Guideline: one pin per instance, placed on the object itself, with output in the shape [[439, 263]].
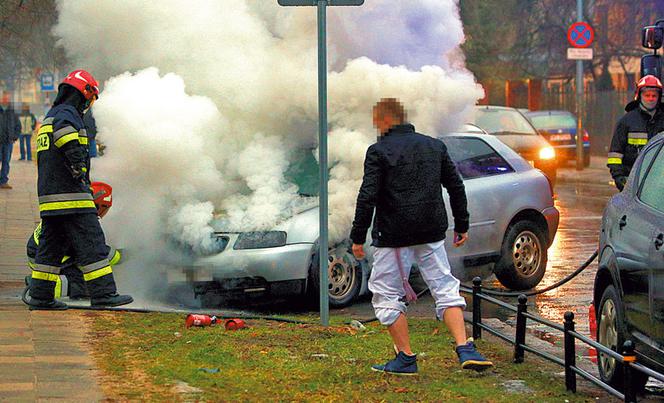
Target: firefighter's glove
[[80, 173], [620, 182]]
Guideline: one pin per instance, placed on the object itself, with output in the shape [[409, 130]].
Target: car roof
[[548, 112], [496, 107]]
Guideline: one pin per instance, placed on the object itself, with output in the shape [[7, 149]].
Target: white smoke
[[204, 104]]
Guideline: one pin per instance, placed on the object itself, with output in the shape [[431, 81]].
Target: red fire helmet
[[648, 81], [102, 196], [84, 82]]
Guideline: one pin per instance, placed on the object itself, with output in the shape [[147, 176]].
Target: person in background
[[10, 129], [643, 120], [403, 174], [91, 127], [28, 124]]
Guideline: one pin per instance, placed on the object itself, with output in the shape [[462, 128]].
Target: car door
[[632, 240], [651, 194], [487, 178]]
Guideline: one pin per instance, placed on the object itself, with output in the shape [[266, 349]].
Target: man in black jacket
[[403, 173]]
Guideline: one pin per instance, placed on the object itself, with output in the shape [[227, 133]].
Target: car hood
[[523, 142]]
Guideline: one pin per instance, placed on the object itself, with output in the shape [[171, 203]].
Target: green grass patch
[[153, 357]]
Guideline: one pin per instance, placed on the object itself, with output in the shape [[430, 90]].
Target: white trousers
[[387, 287]]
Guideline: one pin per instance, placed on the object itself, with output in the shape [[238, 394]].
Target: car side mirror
[[652, 37]]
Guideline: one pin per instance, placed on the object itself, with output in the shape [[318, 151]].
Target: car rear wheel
[[523, 256], [611, 333], [344, 277]]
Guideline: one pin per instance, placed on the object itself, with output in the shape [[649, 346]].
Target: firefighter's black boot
[[114, 299], [46, 305]]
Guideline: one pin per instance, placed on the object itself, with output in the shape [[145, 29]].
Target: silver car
[[512, 224]]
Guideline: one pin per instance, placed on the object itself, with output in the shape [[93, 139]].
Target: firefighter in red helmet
[[643, 120], [66, 205]]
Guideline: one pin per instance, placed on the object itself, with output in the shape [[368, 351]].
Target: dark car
[[513, 129], [629, 286], [559, 129]]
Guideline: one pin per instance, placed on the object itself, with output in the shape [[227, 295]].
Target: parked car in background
[[559, 129], [513, 223], [513, 129], [629, 285]]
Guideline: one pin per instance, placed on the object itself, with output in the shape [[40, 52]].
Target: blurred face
[[383, 123], [649, 95]]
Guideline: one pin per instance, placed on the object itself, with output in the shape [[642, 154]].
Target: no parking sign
[[580, 35]]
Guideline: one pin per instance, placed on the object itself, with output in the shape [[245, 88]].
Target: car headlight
[[547, 153], [260, 239]]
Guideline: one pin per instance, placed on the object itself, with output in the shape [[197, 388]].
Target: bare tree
[[27, 45]]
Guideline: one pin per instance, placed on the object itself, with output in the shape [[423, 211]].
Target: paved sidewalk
[[43, 355]]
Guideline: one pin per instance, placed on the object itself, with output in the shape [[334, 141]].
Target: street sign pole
[[579, 98], [322, 160], [323, 261]]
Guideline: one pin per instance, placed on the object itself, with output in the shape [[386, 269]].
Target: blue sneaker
[[403, 364], [470, 358]]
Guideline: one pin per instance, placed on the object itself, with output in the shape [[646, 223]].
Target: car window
[[303, 172], [553, 121], [475, 158], [502, 121], [647, 159], [652, 190]]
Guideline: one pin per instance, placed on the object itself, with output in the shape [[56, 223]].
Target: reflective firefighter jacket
[[632, 133], [63, 164]]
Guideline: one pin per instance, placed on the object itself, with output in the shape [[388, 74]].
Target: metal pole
[[520, 336], [570, 352], [579, 98], [477, 308], [322, 159]]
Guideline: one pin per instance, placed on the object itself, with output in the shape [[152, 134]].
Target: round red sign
[[580, 35]]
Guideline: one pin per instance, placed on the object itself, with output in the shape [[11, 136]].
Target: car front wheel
[[344, 275], [523, 256], [611, 334]]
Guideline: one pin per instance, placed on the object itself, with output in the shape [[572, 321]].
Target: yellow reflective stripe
[[31, 265], [45, 129], [82, 140], [614, 161], [66, 205], [637, 142], [40, 275], [115, 259], [97, 273], [37, 233], [58, 288], [66, 139], [64, 259]]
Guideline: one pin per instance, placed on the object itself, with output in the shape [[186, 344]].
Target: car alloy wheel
[[526, 251], [341, 273], [607, 333]]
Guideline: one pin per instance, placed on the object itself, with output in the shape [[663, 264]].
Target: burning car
[[512, 224]]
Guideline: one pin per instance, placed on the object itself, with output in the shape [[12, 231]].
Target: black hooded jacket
[[632, 133], [403, 173]]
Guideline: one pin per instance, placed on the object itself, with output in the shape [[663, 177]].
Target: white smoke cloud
[[205, 103]]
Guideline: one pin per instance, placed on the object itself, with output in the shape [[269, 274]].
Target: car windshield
[[303, 172], [502, 121], [556, 121]]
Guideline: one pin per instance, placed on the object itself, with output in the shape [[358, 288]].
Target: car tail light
[[586, 136]]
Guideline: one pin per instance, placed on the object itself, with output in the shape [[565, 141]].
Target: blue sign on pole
[[47, 82]]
